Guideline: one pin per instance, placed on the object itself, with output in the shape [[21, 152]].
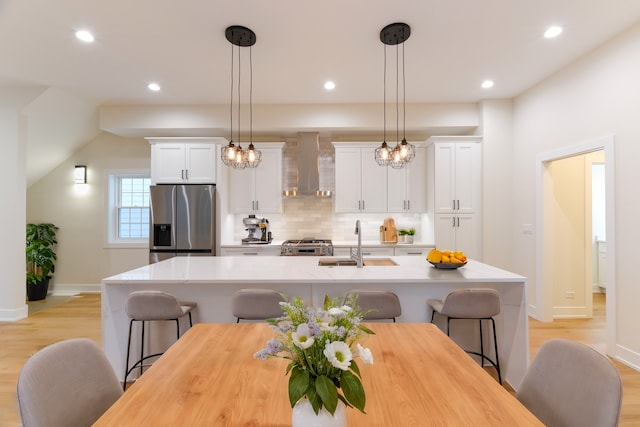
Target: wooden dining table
[[419, 377]]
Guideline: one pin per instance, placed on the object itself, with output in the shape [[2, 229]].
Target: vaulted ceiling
[[454, 46]]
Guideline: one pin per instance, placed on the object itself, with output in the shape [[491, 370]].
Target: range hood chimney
[[310, 169]]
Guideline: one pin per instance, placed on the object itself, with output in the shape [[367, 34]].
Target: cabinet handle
[[458, 204], [363, 208], [181, 173], [408, 205], [454, 204], [257, 208], [359, 205], [458, 222], [186, 174]]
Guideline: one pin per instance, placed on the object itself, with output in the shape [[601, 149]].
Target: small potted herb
[[41, 259], [406, 236]]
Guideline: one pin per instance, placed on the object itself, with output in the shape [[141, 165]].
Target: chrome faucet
[[358, 255]]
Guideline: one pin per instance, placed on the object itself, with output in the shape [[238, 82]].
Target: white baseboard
[[627, 357], [15, 314], [74, 289]]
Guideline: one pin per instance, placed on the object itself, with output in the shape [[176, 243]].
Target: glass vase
[[304, 416]]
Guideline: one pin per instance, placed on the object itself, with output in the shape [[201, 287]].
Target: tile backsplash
[[308, 216]]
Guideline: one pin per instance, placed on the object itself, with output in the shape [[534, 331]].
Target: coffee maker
[[257, 230]]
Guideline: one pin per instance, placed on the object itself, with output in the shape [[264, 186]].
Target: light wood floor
[[80, 317]]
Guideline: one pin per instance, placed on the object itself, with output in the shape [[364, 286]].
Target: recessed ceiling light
[[487, 84], [85, 36], [329, 85], [154, 87], [553, 31]]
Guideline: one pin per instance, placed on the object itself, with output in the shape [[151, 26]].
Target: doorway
[[553, 227]]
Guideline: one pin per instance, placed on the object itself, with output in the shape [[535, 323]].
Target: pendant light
[[397, 157], [232, 155]]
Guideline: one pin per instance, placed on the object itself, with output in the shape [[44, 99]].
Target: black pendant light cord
[[404, 96], [384, 96], [397, 95], [231, 103], [250, 95], [239, 91]]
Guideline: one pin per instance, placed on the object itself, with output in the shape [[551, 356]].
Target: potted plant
[[41, 259], [406, 236]]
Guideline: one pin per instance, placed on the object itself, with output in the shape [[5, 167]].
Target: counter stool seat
[[256, 304], [475, 304], [145, 306], [377, 304]]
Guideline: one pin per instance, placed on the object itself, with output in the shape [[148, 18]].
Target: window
[[128, 223]]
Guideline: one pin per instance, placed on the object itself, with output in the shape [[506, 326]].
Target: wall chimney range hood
[[308, 171]]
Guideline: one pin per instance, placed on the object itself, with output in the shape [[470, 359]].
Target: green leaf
[[314, 399], [366, 330], [328, 392], [354, 368], [327, 302], [353, 390], [298, 384]]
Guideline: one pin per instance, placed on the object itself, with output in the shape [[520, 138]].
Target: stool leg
[[178, 327], [448, 320], [142, 348], [481, 344], [126, 363], [190, 320], [495, 343], [433, 313]]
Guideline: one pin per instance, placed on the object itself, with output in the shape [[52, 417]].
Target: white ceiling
[[454, 46]]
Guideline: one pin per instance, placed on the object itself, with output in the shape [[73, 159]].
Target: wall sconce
[[80, 174]]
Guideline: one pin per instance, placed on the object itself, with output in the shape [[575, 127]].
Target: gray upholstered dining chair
[[476, 304], [376, 304], [68, 383], [256, 304], [150, 305], [571, 384]]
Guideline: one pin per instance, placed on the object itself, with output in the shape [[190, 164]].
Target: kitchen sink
[[368, 262]]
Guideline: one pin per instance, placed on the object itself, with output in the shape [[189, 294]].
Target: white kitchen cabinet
[[258, 190], [406, 187], [410, 250], [361, 185], [458, 232], [184, 160], [454, 176], [457, 177], [264, 250], [366, 251]]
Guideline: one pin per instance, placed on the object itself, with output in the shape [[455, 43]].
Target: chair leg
[[190, 320], [495, 343], [238, 320], [433, 313], [178, 328], [448, 320], [394, 319]]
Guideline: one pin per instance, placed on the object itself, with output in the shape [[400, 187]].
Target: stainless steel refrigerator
[[182, 221]]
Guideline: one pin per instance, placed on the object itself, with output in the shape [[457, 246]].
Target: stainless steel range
[[306, 246]]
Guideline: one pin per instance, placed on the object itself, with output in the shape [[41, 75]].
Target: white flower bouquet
[[322, 346]]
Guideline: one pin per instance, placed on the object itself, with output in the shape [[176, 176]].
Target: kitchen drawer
[[411, 251], [251, 251]]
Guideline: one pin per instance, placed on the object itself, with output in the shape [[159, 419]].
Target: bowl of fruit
[[446, 260]]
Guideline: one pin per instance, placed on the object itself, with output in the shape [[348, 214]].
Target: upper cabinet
[[258, 190], [184, 160], [407, 186], [361, 185], [457, 175]]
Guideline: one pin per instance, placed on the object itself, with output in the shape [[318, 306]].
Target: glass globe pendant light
[[232, 155], [394, 35]]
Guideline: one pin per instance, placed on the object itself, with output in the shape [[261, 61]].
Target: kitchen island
[[211, 281]]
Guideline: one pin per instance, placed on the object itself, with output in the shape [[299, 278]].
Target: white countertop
[[304, 269], [336, 243]]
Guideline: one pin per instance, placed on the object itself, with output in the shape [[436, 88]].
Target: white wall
[[13, 139], [79, 212], [594, 97]]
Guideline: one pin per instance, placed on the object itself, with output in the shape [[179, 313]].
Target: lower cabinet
[[457, 232], [266, 250]]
